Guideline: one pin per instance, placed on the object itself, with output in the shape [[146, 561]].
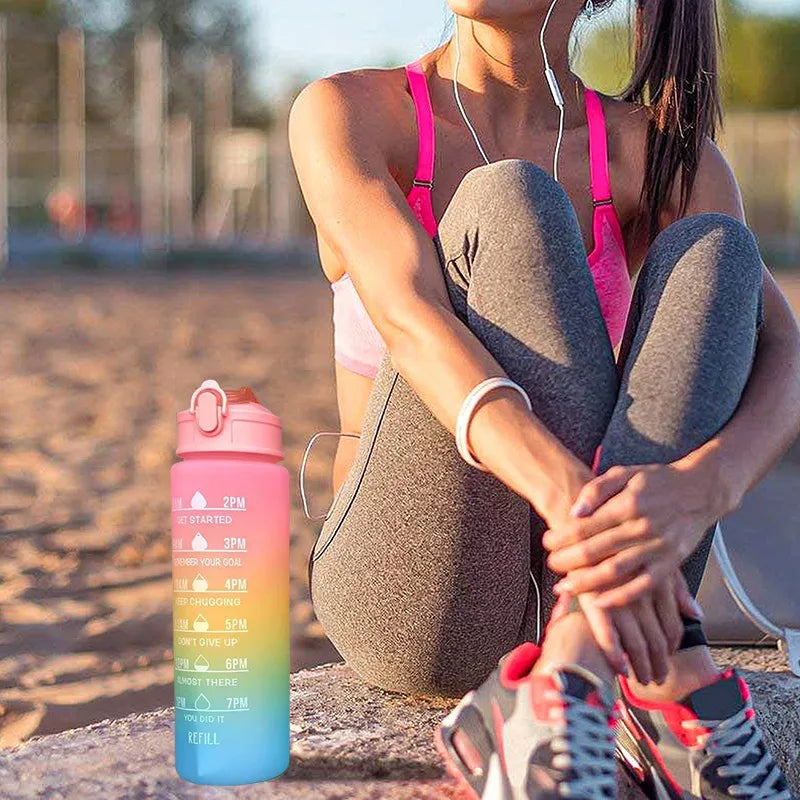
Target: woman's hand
[[630, 528], [646, 633]]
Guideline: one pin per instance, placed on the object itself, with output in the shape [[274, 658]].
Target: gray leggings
[[421, 573]]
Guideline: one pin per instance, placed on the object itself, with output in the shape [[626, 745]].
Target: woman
[[456, 259]]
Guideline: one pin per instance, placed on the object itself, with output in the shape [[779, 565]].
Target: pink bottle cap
[[219, 421]]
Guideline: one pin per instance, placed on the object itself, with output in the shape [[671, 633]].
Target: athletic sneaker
[[521, 736], [708, 745]]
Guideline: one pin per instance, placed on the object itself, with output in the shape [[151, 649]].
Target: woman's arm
[[673, 504], [343, 135]]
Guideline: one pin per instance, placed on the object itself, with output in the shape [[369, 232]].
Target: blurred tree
[[33, 65], [191, 28], [28, 6], [759, 57]]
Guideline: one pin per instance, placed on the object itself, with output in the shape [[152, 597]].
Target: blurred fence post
[[3, 147], [793, 183], [283, 188], [180, 179], [150, 98], [763, 149], [218, 214], [219, 93], [72, 128]]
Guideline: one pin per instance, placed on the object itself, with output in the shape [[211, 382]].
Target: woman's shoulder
[[354, 128], [360, 114], [715, 185], [368, 102]]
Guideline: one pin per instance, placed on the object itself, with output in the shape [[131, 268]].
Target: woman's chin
[[497, 10]]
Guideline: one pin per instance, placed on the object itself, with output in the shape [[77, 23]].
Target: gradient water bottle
[[230, 569]]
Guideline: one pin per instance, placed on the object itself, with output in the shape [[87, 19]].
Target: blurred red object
[[66, 213]]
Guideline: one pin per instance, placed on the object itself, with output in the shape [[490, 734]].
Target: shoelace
[[758, 781], [586, 748]]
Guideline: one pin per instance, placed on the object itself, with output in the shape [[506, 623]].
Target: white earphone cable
[[458, 99], [552, 82]]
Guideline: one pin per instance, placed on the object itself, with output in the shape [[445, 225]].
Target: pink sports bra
[[357, 344]]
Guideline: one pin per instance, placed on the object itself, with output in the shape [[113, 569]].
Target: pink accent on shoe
[[674, 714], [517, 665]]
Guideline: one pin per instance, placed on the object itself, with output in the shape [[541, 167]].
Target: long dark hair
[[675, 75]]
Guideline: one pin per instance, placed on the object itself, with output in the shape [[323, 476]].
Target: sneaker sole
[[493, 784]]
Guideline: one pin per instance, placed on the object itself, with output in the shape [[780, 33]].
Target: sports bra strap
[[598, 148], [425, 128]]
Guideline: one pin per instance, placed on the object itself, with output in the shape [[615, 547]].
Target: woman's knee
[[711, 241], [511, 192], [711, 250], [499, 176], [510, 224]]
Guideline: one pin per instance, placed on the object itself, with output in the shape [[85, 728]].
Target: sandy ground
[[93, 372]]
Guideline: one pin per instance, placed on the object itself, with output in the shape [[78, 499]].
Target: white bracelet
[[468, 410]]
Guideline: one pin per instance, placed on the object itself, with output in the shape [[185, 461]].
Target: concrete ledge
[[349, 742]]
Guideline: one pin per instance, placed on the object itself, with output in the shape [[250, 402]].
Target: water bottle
[[230, 568]]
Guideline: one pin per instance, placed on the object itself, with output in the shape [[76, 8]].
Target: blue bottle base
[[222, 778]]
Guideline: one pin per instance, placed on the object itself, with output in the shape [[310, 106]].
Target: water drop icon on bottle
[[199, 584], [200, 623], [202, 703], [201, 664], [199, 542], [198, 500]]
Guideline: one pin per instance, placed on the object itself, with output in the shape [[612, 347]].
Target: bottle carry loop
[[306, 455], [209, 405]]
